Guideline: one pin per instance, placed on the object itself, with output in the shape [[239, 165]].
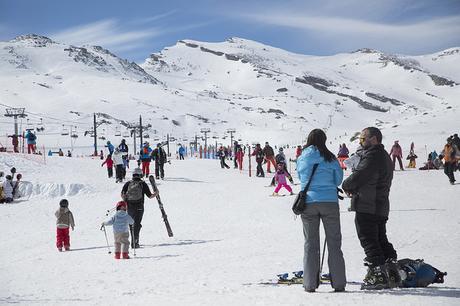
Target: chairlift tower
[[15, 112], [231, 131]]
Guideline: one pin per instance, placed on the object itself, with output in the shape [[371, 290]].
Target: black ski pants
[[449, 168], [110, 172], [119, 172], [371, 230], [136, 211], [399, 161], [159, 170], [222, 163], [260, 170]]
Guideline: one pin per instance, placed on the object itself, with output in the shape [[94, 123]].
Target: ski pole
[[132, 237], [322, 260], [106, 239]]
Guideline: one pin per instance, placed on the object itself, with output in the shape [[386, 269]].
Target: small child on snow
[[280, 177], [121, 222], [109, 163], [8, 189], [64, 220]]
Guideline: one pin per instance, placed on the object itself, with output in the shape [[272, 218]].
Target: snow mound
[[53, 190]]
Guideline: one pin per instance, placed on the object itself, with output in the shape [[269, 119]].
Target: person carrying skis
[[159, 156], [121, 222], [448, 154], [369, 187], [221, 154], [109, 164], [259, 154], [396, 153], [269, 156], [133, 193], [118, 161], [64, 220], [322, 205], [31, 141], [145, 158], [280, 177]]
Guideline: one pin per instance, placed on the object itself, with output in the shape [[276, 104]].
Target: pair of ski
[[295, 279], [160, 204]]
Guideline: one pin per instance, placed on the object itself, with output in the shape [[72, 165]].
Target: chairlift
[[65, 131], [156, 139], [29, 126], [74, 133], [40, 127], [117, 131], [126, 133], [146, 136], [102, 135]]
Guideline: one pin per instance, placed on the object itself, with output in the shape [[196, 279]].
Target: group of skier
[[9, 188]]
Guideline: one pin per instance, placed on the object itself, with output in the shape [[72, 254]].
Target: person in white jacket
[[118, 162]]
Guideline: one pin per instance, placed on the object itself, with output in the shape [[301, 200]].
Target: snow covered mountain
[[263, 92]]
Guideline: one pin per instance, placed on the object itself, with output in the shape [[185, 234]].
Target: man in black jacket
[[369, 186], [159, 156], [133, 193]]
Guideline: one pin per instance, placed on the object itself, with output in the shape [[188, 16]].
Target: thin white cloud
[[153, 18], [107, 33]]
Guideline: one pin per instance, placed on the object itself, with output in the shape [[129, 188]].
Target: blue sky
[[134, 29]]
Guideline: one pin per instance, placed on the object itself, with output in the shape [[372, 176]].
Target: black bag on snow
[[299, 203], [417, 273]]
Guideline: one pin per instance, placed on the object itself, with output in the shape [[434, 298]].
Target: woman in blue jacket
[[322, 205]]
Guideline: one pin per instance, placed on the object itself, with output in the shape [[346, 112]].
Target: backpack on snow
[[135, 191], [417, 273]]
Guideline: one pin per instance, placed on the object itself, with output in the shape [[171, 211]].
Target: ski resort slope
[[229, 236]]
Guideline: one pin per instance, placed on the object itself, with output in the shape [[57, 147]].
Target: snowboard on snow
[[160, 204]]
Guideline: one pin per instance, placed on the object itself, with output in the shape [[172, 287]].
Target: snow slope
[[229, 235], [264, 93]]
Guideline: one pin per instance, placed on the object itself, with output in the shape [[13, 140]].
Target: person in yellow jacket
[[450, 161]]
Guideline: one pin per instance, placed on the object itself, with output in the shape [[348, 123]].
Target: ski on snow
[[160, 204]]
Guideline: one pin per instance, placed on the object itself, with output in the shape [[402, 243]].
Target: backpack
[[32, 137], [135, 191], [419, 274]]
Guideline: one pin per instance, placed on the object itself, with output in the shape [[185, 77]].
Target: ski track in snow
[[229, 236]]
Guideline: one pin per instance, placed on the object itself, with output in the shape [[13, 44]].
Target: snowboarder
[[369, 186], [109, 164], [159, 156], [411, 157], [322, 205], [64, 220], [133, 193], [269, 156], [145, 158], [396, 153], [31, 142], [280, 177], [121, 222], [259, 154]]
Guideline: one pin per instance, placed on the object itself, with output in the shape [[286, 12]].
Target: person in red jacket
[[109, 163], [396, 153], [239, 157]]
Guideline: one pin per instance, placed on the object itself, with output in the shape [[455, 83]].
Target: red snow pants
[[146, 168], [62, 237]]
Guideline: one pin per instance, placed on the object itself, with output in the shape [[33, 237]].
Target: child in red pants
[[280, 177], [64, 220]]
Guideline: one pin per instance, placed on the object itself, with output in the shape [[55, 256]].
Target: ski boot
[[376, 278], [117, 255], [394, 276], [60, 249], [275, 194], [125, 255]]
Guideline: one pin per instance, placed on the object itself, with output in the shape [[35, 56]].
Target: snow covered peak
[[33, 40]]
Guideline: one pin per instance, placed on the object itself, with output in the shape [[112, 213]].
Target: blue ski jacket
[[120, 221], [328, 176]]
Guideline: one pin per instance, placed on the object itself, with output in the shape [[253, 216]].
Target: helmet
[[18, 176], [280, 149], [13, 170], [137, 172], [121, 204], [64, 203], [9, 177], [146, 143], [159, 144], [108, 142]]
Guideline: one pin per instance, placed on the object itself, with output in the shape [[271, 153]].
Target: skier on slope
[[448, 154], [281, 159], [118, 161], [269, 156], [239, 157], [64, 220], [121, 222], [145, 158], [236, 146], [109, 163], [280, 178], [159, 156], [31, 142], [133, 193], [396, 153], [259, 154]]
